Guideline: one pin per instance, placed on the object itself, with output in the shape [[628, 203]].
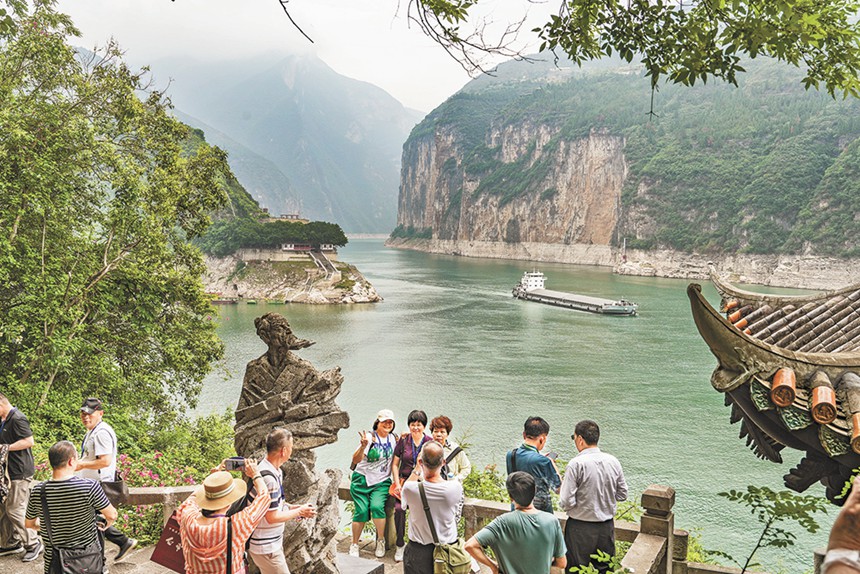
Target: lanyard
[[416, 450], [86, 437], [9, 416]]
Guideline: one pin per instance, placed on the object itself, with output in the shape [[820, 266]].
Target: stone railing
[[656, 547], [168, 496]]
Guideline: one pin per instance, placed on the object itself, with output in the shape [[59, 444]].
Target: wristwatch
[[841, 556]]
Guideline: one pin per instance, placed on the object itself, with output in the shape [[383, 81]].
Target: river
[[450, 339]]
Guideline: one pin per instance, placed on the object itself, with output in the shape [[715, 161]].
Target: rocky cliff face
[[528, 165], [576, 200]]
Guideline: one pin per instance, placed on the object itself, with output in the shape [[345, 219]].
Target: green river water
[[450, 339]]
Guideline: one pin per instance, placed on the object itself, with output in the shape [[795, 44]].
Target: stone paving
[[137, 562]]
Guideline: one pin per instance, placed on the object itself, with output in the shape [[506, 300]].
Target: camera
[[234, 463]]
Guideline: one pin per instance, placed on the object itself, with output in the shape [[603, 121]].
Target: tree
[[100, 290], [769, 508], [684, 41]]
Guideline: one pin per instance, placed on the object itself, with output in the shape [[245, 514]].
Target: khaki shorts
[[272, 563]]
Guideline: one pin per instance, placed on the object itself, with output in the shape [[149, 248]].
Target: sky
[[369, 40]]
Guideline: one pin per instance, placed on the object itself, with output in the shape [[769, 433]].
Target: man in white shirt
[[444, 497], [98, 462], [266, 545], [592, 487]]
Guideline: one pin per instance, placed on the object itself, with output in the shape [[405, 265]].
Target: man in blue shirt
[[527, 458]]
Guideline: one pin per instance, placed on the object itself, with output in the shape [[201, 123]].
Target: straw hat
[[219, 490]]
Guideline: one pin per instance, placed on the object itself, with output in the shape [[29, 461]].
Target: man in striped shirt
[[267, 541], [73, 504]]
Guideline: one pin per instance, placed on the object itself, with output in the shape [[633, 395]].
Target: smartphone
[[234, 463], [552, 455]]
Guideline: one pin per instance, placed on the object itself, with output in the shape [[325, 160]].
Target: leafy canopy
[[771, 507], [99, 286], [684, 41]]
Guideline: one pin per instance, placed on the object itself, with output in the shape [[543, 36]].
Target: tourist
[[371, 479], [457, 465], [98, 462], [73, 505], [528, 458], [15, 432], [593, 485], [405, 457], [444, 497], [525, 541], [203, 521], [266, 545], [843, 548]]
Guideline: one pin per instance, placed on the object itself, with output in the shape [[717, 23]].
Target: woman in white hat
[[371, 478], [203, 522]]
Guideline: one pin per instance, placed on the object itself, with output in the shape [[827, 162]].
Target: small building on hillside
[[302, 247]]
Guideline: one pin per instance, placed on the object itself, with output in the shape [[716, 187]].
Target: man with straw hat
[[203, 522]]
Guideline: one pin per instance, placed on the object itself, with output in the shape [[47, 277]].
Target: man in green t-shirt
[[526, 540]]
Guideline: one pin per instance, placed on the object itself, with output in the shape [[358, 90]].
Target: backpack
[[246, 500]]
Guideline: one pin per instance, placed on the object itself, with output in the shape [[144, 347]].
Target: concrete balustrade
[[656, 546]]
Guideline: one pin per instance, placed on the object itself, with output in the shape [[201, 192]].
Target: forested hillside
[[238, 223], [766, 167]]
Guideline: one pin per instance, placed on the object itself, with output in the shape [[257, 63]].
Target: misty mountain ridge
[[301, 137]]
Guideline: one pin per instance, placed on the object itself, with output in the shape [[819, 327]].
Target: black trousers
[[112, 533], [418, 558], [585, 538]]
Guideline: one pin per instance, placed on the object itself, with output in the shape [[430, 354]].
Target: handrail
[[653, 549]]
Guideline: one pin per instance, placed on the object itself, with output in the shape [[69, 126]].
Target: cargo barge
[[531, 288]]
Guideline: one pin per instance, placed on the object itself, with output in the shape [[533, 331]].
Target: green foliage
[[769, 508], [487, 484], [688, 42], [764, 168], [345, 284], [613, 564], [100, 290], [696, 551], [409, 232], [228, 235]]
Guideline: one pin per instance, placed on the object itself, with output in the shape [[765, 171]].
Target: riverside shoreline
[[789, 271], [285, 281]]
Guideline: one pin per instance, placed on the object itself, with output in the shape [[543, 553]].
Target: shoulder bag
[[86, 560], [447, 558], [445, 471], [116, 489], [168, 551]]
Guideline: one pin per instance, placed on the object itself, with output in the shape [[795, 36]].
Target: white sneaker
[[380, 548], [353, 550], [398, 553]]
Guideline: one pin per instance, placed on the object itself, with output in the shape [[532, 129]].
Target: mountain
[[301, 137], [545, 154]]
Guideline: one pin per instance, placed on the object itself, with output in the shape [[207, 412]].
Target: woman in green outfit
[[371, 478]]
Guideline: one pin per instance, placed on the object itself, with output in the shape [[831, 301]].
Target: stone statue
[[282, 390]]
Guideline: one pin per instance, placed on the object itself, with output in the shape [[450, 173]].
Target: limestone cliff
[[576, 199], [547, 166]]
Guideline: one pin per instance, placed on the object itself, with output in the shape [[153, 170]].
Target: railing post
[[679, 552], [658, 520], [470, 521]]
